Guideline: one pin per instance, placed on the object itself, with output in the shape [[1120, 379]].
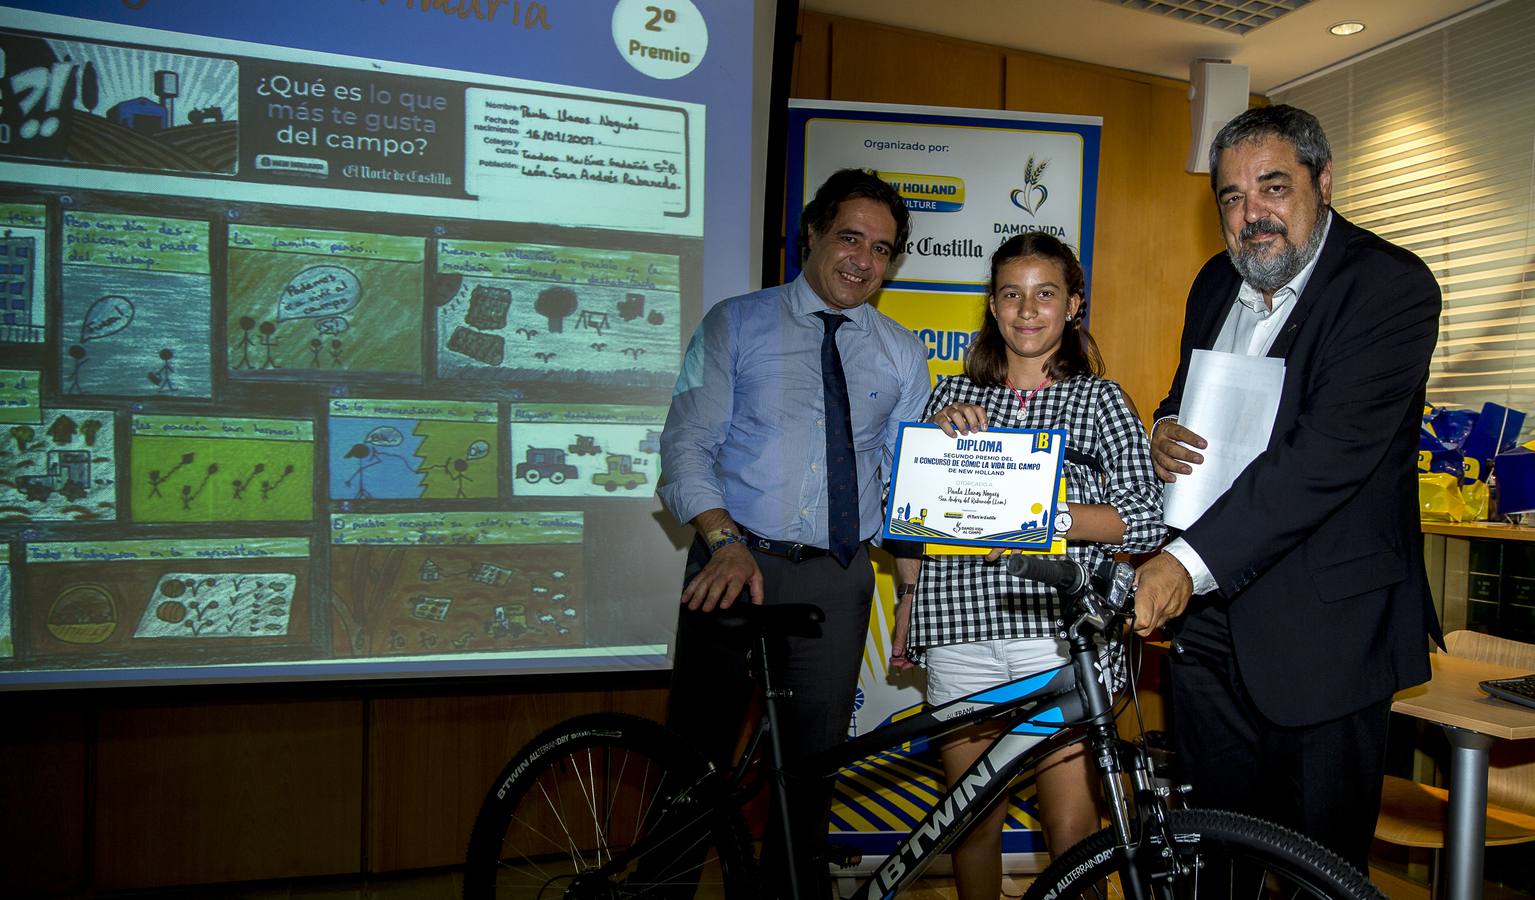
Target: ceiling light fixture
[[1344, 29]]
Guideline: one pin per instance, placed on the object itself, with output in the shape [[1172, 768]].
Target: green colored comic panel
[[62, 469], [563, 450], [23, 260], [412, 449], [167, 601], [311, 301], [447, 584], [212, 469], [140, 243], [20, 399]]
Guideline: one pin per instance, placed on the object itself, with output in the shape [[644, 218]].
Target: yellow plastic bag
[[1478, 498], [1440, 499]]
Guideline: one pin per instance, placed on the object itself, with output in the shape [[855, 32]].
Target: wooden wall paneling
[[194, 794], [812, 58], [1187, 230], [1147, 245], [1121, 251], [888, 65], [646, 702], [431, 760], [43, 795]]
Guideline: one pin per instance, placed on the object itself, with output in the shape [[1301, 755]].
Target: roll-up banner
[[971, 179]]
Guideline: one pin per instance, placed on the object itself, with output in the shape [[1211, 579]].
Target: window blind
[[1434, 150]]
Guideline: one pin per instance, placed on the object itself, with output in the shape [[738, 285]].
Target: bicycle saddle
[[796, 619]]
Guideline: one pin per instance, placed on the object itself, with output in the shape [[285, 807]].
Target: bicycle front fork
[[1138, 812]]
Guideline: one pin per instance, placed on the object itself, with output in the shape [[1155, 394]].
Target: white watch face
[[1062, 522]]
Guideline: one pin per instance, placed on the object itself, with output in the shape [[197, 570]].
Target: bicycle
[[614, 806]]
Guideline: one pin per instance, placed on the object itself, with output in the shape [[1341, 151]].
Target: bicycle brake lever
[[1172, 639]]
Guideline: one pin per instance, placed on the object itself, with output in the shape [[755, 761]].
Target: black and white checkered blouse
[[962, 598]]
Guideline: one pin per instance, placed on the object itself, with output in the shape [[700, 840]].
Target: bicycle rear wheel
[[608, 806], [1226, 854]]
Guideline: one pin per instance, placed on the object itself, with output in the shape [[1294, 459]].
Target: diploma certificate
[[994, 488]]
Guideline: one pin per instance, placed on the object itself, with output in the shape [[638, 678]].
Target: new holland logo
[[1032, 195], [928, 193]]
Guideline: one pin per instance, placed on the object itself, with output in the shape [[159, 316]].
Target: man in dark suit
[[1299, 597]]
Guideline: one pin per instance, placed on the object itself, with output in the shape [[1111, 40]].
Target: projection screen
[[337, 336]]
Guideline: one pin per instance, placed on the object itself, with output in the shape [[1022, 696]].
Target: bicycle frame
[[1036, 708], [1149, 848]]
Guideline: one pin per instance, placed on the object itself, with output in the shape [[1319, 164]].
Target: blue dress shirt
[[746, 431]]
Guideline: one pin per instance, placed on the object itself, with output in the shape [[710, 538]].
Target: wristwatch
[[1062, 520], [721, 537], [904, 590]]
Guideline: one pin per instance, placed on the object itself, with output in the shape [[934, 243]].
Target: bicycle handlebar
[[1055, 571], [1096, 601]]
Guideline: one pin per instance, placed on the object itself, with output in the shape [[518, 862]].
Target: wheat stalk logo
[[1032, 195]]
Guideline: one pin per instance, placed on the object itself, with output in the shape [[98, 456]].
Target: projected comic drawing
[[99, 105], [412, 450], [21, 403], [64, 468], [456, 583], [534, 312], [218, 604], [211, 469], [84, 613], [310, 304], [560, 450], [136, 307], [324, 209], [7, 645], [178, 600], [23, 257]]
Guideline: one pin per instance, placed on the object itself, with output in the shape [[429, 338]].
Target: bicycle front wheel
[[609, 806], [1221, 855]]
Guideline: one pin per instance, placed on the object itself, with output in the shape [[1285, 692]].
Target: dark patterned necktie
[[841, 465]]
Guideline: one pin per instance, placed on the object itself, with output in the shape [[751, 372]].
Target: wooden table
[[1501, 531], [1472, 721]]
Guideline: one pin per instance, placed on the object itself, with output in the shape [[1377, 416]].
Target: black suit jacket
[[1316, 548]]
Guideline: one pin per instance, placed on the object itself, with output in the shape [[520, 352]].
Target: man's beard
[[1270, 273]]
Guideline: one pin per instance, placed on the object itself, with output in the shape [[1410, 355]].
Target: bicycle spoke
[[558, 809], [535, 841], [589, 794]]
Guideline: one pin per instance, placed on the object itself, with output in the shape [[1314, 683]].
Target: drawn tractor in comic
[[545, 462], [620, 473], [585, 445], [652, 441], [69, 473]]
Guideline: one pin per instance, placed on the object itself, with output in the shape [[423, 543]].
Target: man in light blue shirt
[[758, 415]]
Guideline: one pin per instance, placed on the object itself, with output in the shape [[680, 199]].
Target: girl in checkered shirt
[[1033, 365]]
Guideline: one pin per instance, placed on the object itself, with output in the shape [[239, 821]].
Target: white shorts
[[958, 670]]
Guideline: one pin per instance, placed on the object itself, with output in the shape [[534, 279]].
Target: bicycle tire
[[593, 787], [1232, 851]]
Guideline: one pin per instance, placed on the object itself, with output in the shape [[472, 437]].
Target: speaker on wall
[[1217, 93]]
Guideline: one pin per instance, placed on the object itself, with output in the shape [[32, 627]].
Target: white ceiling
[[1111, 35]]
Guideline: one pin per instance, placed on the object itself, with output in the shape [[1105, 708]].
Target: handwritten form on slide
[[1230, 400]]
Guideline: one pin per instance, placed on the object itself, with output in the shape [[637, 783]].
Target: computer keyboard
[[1519, 690]]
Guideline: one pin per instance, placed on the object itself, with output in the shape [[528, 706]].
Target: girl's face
[[1032, 307]]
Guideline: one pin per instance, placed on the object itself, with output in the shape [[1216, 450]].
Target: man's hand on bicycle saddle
[[728, 571], [1162, 590]]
